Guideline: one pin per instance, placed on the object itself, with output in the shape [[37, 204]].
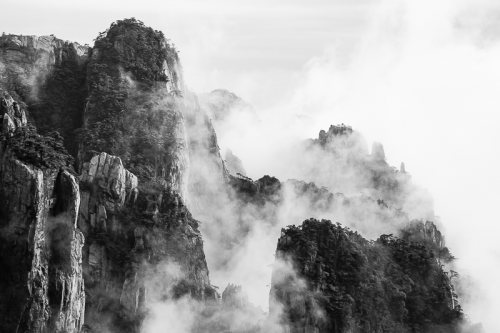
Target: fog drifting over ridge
[[424, 81], [420, 77]]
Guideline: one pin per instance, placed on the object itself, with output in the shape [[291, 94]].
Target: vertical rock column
[[41, 284]]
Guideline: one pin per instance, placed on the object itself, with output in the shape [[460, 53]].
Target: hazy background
[[423, 77]]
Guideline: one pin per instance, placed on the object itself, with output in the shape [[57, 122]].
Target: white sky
[[422, 77]]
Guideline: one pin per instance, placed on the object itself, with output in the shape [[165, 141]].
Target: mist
[[424, 81], [420, 77]]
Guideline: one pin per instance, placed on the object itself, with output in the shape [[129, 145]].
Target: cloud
[[421, 85]]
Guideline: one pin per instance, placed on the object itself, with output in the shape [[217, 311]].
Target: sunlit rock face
[[12, 115], [41, 246], [328, 278], [142, 244]]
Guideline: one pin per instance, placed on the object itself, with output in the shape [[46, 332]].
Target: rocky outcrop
[[134, 104], [47, 75], [329, 279], [94, 250], [339, 159], [118, 187], [264, 190], [27, 60], [324, 138], [135, 230], [41, 247], [12, 115]]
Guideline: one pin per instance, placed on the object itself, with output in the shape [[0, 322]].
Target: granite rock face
[[47, 75], [136, 231], [134, 104], [27, 60], [97, 248], [41, 248], [12, 115]]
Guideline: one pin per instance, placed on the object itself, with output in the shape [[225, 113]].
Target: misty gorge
[[119, 211]]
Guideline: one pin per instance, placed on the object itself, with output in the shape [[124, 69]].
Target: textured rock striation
[[141, 243], [41, 247], [133, 230], [12, 115], [134, 164], [47, 75], [134, 104], [97, 248]]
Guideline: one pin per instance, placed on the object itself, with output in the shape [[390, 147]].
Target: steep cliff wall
[[133, 109], [41, 247], [12, 115], [94, 250], [134, 226], [133, 229], [336, 281], [48, 76], [134, 163]]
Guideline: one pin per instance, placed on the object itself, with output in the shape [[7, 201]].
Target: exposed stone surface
[[27, 60], [94, 252], [119, 183], [47, 75], [134, 104], [135, 229], [42, 283], [12, 115]]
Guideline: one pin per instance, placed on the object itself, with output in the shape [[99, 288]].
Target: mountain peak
[[334, 131]]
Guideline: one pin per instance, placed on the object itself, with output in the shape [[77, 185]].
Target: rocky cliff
[[41, 246], [104, 229], [330, 279], [47, 75], [107, 163], [133, 108], [339, 159], [133, 229]]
